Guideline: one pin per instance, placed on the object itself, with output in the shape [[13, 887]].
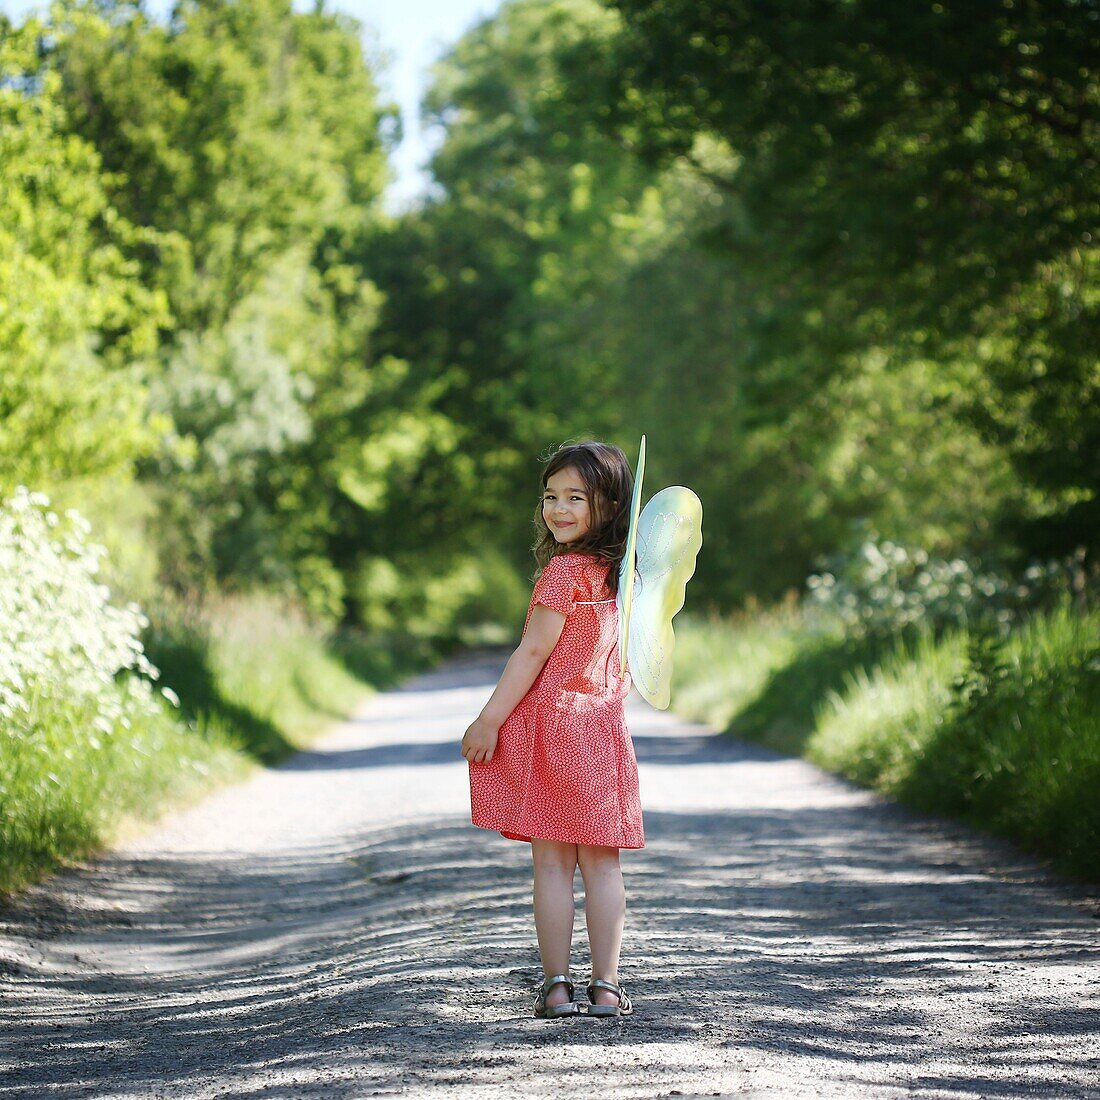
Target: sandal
[[554, 1012], [623, 1008]]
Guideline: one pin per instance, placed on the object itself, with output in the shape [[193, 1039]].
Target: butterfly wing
[[670, 533], [626, 567]]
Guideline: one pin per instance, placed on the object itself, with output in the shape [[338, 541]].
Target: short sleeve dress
[[564, 766]]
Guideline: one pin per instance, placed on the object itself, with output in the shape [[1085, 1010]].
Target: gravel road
[[335, 927]]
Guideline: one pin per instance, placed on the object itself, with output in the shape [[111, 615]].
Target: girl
[[551, 759]]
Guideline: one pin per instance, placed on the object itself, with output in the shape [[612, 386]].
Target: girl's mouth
[[560, 525]]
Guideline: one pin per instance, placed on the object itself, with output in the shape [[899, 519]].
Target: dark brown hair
[[609, 482]]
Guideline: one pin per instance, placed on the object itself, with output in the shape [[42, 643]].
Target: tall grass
[[255, 681], [1002, 733]]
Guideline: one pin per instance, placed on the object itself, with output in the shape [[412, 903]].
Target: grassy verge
[[1002, 734], [255, 681]]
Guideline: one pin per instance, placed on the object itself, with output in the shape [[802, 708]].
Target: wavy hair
[[609, 482]]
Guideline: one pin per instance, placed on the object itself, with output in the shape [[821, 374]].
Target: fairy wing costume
[[662, 544]]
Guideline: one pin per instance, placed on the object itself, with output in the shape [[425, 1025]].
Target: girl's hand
[[479, 742]]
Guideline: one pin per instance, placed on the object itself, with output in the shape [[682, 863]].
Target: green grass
[[256, 682], [1004, 735]]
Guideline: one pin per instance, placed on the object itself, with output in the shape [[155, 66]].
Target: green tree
[[74, 320], [250, 138], [917, 178], [529, 196], [569, 284], [241, 128]]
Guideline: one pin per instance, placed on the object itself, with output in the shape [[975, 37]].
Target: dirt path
[[335, 927]]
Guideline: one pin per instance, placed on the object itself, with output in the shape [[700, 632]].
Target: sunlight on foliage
[[63, 638]]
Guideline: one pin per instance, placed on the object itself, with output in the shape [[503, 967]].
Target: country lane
[[335, 927]]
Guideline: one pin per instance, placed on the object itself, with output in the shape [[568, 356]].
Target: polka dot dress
[[564, 766]]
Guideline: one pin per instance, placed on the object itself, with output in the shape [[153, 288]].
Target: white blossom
[[882, 586], [63, 639]]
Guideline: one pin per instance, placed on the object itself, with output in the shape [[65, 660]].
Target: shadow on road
[[406, 958], [649, 748]]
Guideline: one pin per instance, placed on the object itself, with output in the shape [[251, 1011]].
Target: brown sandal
[[623, 1008], [554, 1012]]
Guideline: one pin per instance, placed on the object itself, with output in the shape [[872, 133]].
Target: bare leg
[[554, 865], [604, 912]]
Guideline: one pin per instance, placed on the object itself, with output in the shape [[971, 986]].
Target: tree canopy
[[835, 260]]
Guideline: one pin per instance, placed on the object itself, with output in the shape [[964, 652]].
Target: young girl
[[551, 759]]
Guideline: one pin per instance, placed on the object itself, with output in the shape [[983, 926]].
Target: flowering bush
[[63, 642], [883, 587]]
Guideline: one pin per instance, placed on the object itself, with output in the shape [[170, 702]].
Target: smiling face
[[565, 505]]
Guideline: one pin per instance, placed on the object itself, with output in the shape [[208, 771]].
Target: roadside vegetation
[[969, 711], [847, 289]]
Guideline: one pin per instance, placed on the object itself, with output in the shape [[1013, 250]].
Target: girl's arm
[[543, 631]]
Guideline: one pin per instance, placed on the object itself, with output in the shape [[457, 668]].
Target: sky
[[413, 33]]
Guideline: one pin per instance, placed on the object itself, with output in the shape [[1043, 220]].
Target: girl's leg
[[604, 912], [554, 865]]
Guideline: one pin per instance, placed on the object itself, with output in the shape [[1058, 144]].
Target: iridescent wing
[[626, 567], [669, 535]]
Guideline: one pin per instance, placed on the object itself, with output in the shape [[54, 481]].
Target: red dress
[[564, 766]]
